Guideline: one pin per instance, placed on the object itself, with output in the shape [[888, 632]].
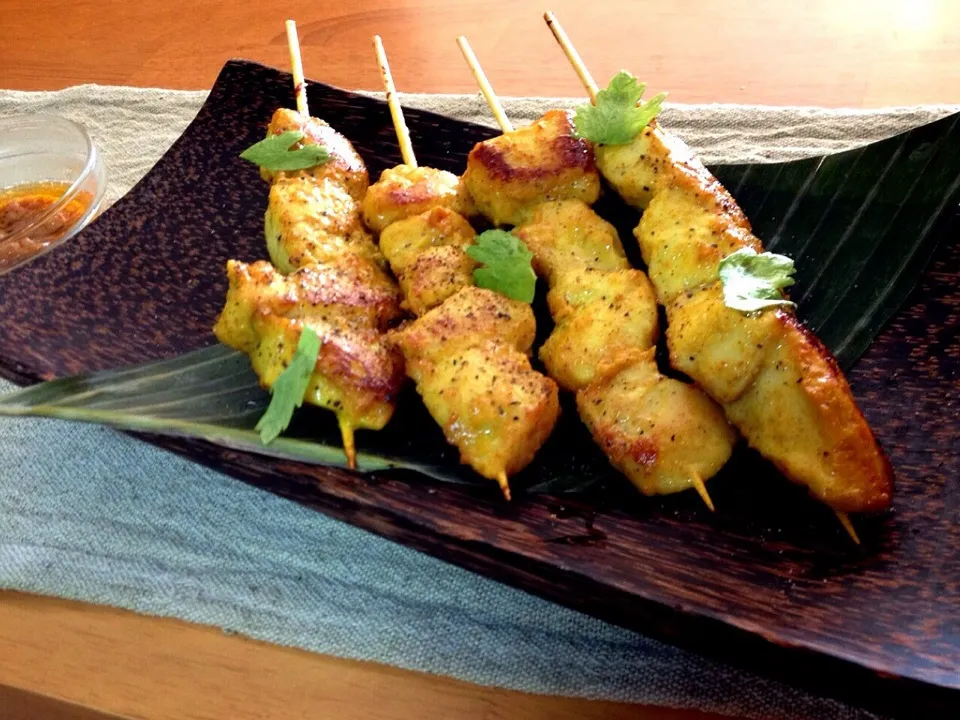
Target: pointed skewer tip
[[701, 489], [504, 485], [349, 444], [847, 525]]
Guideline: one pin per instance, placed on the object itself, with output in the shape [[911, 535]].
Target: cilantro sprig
[[618, 114], [506, 265], [277, 152], [287, 392], [753, 281]]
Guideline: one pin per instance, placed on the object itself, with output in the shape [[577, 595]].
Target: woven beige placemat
[[134, 126]]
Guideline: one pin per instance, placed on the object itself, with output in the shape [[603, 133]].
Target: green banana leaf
[[861, 226], [211, 394]]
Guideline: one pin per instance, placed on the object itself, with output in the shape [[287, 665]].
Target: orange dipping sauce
[[22, 231]]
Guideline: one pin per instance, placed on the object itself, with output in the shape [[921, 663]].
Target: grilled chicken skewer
[[468, 349], [776, 382], [331, 279], [664, 435]]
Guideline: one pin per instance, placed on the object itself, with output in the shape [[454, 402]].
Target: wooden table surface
[[61, 659]]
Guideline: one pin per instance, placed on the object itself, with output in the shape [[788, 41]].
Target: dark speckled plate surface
[[762, 583]]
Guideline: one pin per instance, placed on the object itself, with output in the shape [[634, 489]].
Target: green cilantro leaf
[[506, 262], [288, 390], [277, 152], [753, 282], [618, 114]]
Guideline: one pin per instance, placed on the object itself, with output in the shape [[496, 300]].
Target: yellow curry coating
[[310, 221], [357, 374], [469, 360], [345, 166], [329, 277], [602, 347], [599, 315], [777, 383], [661, 433], [427, 254], [477, 314], [404, 191], [510, 175], [566, 235]]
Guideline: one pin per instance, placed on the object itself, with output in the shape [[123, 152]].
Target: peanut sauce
[[22, 205]]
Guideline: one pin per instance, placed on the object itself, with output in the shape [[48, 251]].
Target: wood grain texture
[[730, 585], [856, 53], [172, 670], [19, 704]]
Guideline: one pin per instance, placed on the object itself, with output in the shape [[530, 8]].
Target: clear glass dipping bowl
[[46, 149]]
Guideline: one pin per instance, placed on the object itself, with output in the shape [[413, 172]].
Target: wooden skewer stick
[[485, 88], [591, 87], [572, 55], [396, 112], [296, 66]]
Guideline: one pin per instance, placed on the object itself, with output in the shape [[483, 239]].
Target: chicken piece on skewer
[[345, 166], [468, 357], [468, 350], [661, 433], [568, 235], [408, 190], [347, 287], [602, 347], [776, 382], [314, 214], [599, 316], [509, 175], [664, 435], [427, 254], [357, 375], [312, 221]]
